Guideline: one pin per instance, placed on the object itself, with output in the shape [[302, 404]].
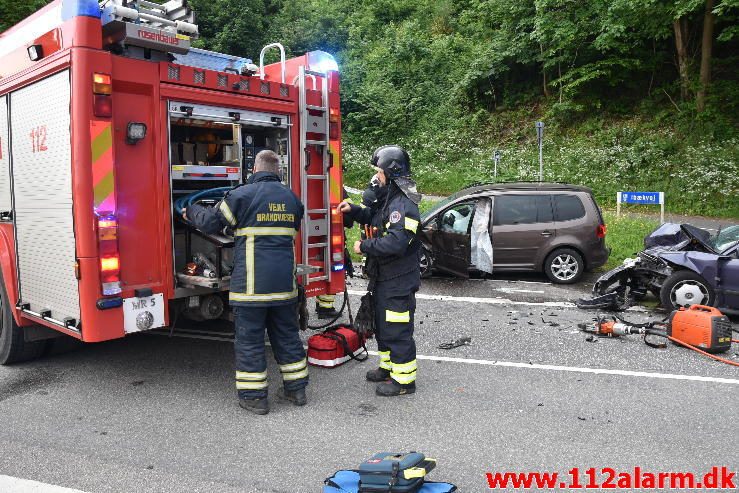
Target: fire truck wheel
[[13, 348]]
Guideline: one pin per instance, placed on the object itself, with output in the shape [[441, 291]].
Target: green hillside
[[636, 95]]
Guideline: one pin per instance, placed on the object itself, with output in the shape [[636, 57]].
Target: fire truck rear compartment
[[207, 157]]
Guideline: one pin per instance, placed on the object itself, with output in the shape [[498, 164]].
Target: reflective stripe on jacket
[[396, 248], [265, 216]]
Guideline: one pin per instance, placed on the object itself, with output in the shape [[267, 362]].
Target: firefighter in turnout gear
[[393, 268], [265, 217]]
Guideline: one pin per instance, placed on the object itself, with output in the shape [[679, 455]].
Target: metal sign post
[[496, 158], [540, 138]]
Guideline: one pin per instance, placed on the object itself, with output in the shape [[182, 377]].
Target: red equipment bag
[[336, 346]]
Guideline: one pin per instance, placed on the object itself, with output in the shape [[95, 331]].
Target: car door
[[451, 239], [523, 225], [729, 271]]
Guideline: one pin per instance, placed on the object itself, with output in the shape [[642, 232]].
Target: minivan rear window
[[522, 209], [567, 208]]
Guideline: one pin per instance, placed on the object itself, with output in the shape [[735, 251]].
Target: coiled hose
[[186, 200]]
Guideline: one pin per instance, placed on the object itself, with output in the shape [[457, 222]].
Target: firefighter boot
[[392, 388], [378, 375], [325, 306], [257, 406], [297, 397], [325, 313]]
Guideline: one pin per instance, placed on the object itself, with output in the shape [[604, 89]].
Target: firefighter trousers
[[281, 323], [395, 306]]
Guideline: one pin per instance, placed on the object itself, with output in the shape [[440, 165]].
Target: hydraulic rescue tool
[[703, 329]]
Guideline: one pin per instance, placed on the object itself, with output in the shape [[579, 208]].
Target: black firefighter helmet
[[393, 160]]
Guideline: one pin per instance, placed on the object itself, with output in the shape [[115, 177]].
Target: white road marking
[[490, 301], [513, 290], [500, 301], [9, 484], [576, 369], [514, 364], [533, 282]]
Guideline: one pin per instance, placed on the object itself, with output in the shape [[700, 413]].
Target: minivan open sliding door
[[450, 239]]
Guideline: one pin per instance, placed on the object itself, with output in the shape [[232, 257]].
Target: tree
[[13, 11], [681, 47], [706, 54]]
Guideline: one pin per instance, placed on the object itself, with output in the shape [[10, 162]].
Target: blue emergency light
[[320, 61], [76, 8]]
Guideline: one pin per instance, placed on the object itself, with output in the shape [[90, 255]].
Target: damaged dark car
[[681, 265]]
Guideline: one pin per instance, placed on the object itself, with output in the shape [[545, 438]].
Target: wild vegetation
[[636, 95]]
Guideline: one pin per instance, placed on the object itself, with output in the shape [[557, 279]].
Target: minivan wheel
[[564, 266], [685, 288], [13, 347], [425, 263]]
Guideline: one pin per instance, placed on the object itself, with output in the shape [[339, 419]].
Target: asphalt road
[[151, 413]]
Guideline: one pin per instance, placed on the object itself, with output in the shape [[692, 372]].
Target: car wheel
[[13, 347], [425, 262], [685, 288], [564, 266]]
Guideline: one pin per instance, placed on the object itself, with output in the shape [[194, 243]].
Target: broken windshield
[[725, 238]]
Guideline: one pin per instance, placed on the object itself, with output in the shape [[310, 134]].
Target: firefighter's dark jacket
[[395, 245], [265, 217]]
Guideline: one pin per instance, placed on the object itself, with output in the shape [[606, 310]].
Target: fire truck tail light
[[107, 222], [102, 106], [333, 131], [337, 249], [110, 263], [101, 84]]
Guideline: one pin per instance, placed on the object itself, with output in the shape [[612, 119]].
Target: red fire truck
[[108, 120]]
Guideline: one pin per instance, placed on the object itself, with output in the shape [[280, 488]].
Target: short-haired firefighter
[[393, 268], [265, 216]]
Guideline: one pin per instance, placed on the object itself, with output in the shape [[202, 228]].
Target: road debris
[[462, 341]]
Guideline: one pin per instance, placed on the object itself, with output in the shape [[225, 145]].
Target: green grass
[[625, 236]]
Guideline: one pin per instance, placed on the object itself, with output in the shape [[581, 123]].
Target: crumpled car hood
[[667, 235], [701, 262]]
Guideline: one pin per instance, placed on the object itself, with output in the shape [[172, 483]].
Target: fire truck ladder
[[175, 14], [317, 221], [123, 21]]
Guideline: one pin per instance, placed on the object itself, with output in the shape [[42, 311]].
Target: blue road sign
[[653, 198]]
